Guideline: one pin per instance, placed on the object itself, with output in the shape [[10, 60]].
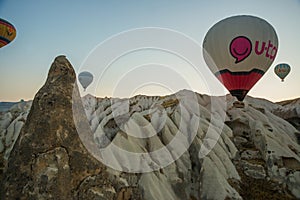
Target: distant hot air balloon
[[7, 32], [85, 79], [282, 70], [239, 50]]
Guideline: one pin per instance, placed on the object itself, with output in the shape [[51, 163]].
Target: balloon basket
[[239, 104]]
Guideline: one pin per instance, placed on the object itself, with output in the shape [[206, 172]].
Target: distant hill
[[5, 106]]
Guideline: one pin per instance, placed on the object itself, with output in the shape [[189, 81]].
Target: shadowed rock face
[[290, 111], [48, 160]]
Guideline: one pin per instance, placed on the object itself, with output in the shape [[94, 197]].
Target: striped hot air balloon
[[7, 32], [239, 50], [282, 70]]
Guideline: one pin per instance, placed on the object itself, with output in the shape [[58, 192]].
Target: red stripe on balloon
[[5, 23], [3, 42], [239, 82]]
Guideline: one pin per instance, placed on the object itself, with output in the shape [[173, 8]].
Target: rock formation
[[48, 160], [290, 111], [230, 153]]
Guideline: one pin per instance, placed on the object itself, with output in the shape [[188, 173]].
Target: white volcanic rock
[[253, 170], [6, 119], [215, 152], [273, 137], [200, 147], [11, 123], [213, 184], [156, 186]]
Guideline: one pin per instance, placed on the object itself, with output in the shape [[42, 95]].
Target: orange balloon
[[7, 32]]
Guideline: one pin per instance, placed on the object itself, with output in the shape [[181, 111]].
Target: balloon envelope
[[239, 50], [282, 70], [7, 32], [85, 79]]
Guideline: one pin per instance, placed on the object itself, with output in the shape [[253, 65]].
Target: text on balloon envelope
[[241, 47]]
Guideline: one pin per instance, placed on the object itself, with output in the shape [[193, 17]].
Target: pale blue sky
[[46, 29]]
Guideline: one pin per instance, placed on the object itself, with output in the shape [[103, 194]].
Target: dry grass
[[257, 161], [170, 103], [251, 189]]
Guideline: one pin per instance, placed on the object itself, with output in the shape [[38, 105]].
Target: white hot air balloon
[[85, 78], [239, 50]]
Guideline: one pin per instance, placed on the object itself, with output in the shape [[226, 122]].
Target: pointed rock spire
[[48, 160]]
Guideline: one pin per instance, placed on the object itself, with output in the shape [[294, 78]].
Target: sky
[[91, 34]]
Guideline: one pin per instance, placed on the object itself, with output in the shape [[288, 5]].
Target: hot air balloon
[[239, 50], [282, 70], [85, 78], [7, 32]]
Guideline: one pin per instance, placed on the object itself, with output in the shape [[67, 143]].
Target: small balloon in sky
[[85, 78], [7, 32], [282, 70], [239, 50]]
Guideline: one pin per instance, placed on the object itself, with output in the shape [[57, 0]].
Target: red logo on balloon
[[240, 48]]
